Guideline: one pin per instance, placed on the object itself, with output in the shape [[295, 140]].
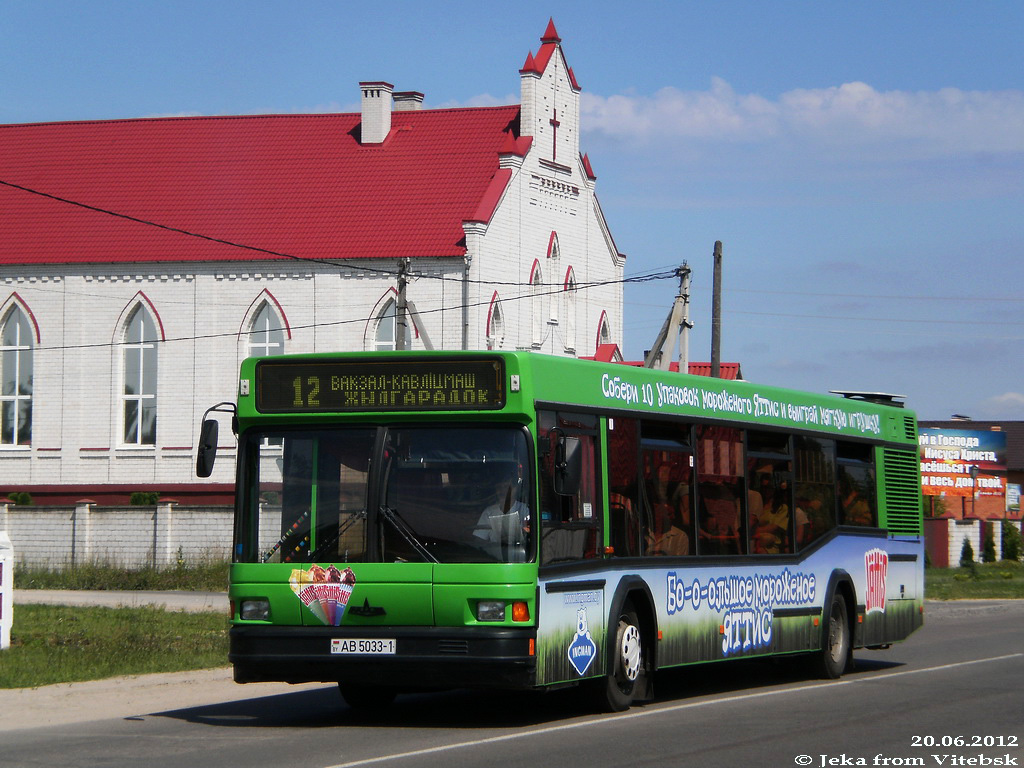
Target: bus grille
[[902, 491], [910, 428], [453, 646]]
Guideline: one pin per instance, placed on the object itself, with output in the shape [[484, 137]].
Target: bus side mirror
[[568, 465], [207, 452]]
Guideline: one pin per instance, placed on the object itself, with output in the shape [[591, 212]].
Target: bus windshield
[[439, 494]]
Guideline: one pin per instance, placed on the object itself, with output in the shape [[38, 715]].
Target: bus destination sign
[[384, 385]]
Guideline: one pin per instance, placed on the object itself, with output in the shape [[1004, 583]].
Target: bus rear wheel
[[836, 643], [366, 698], [627, 662]]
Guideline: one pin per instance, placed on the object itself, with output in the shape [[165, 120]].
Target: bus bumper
[[425, 657]]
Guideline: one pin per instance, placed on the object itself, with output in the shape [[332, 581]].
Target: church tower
[[550, 103]]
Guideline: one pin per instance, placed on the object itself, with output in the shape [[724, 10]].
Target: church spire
[[549, 104], [551, 34]]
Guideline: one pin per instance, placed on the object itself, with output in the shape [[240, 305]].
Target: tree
[[966, 554], [1011, 541], [988, 554]]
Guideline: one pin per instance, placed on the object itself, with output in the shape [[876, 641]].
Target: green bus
[[425, 520]]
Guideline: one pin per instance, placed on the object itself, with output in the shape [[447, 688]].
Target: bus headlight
[[490, 610], [254, 610]]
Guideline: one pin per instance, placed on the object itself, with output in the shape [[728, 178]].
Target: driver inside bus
[[505, 524]]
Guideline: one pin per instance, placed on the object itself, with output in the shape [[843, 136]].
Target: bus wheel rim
[[835, 635], [630, 652]]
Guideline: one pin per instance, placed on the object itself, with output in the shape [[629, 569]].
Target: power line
[[347, 264], [306, 326]]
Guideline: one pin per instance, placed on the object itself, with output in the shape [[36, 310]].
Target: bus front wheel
[[836, 643], [627, 661]]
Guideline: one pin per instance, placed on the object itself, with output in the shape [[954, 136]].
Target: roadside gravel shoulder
[[121, 697]]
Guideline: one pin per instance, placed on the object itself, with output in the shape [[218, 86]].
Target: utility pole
[[676, 326], [685, 325], [401, 308], [716, 314]]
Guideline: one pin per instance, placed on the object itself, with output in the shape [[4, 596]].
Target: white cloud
[[922, 124], [1007, 406], [480, 100]]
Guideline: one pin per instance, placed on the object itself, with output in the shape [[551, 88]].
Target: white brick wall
[[59, 537], [972, 530]]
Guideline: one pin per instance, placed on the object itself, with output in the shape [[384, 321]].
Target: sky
[[861, 162]]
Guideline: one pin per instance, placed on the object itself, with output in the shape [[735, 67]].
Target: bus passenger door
[[571, 617], [570, 518]]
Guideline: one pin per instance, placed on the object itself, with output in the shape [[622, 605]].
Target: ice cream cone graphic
[[325, 591]]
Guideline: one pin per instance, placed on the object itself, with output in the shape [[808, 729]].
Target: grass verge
[[65, 644], [999, 581], [211, 577]]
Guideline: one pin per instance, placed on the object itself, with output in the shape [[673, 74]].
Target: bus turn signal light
[[520, 611]]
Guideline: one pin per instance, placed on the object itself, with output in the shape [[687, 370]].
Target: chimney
[[376, 111], [408, 101]]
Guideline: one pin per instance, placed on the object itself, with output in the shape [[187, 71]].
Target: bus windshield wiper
[[406, 532], [330, 542]]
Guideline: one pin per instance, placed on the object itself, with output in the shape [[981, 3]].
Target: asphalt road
[[951, 695]]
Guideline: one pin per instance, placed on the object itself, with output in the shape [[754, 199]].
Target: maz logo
[[367, 610]]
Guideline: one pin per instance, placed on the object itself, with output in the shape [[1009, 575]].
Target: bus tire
[[627, 662], [366, 698], [836, 640]]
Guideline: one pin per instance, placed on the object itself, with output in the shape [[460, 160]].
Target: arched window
[[569, 295], [553, 255], [387, 325], [16, 379], [495, 324], [266, 337], [604, 331], [139, 396], [537, 305]]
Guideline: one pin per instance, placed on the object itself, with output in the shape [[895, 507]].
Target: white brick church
[[141, 260]]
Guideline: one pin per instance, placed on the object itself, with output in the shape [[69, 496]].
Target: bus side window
[[855, 475], [815, 495], [720, 486], [625, 530], [769, 493], [570, 525], [667, 466]]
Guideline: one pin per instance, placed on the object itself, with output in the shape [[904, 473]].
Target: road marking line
[[890, 675], [661, 711]]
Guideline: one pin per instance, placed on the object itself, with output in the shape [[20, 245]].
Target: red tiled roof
[[301, 185], [606, 353], [609, 353], [730, 371]]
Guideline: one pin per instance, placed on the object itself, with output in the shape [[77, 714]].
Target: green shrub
[[24, 498], [144, 498], [966, 554], [988, 554], [1011, 542]]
